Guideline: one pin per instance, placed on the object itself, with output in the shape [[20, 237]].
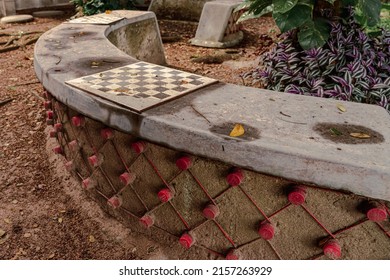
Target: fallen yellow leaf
[[91, 238], [108, 12], [360, 135], [238, 130], [341, 108], [60, 220]]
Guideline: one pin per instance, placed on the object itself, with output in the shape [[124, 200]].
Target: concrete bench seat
[[283, 146], [288, 139]]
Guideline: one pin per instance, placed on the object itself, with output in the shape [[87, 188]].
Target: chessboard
[[141, 86], [97, 19]]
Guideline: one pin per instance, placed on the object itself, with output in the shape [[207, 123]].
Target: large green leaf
[[370, 11], [282, 6], [294, 18], [247, 15], [349, 2], [313, 34], [257, 6]]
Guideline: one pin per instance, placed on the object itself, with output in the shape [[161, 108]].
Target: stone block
[[217, 26]]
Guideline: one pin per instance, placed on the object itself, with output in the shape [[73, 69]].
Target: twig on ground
[[200, 114], [6, 101], [26, 84]]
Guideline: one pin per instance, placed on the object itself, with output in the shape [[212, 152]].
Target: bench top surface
[[291, 136]]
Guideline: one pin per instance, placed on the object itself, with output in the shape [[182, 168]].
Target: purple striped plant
[[351, 66]]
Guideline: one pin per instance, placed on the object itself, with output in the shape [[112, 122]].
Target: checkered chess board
[[97, 19], [141, 86]]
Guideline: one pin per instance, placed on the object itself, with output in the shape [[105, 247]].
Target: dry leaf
[[91, 238], [238, 130], [8, 221], [95, 64], [360, 135], [2, 232], [2, 241], [108, 12], [51, 256], [341, 108], [60, 220], [27, 235]]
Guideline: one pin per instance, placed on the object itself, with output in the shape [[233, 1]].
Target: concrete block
[[217, 26], [17, 19]]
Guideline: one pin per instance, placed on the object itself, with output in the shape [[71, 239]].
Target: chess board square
[[97, 19], [161, 95], [141, 86]]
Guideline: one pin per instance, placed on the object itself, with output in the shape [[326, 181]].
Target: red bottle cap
[[211, 211], [146, 221], [107, 133], [138, 147], [50, 115], [184, 163], [266, 231], [332, 249], [58, 127], [297, 195], [127, 178], [235, 178], [186, 240], [78, 121], [115, 201], [58, 150], [165, 195], [232, 255], [377, 214], [48, 105], [53, 133], [69, 166]]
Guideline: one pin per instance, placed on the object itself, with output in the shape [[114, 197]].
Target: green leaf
[[330, 1], [294, 18], [282, 6], [313, 34], [247, 15], [370, 10], [258, 6], [349, 2]]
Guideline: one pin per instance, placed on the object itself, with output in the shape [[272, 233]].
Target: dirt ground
[[44, 213]]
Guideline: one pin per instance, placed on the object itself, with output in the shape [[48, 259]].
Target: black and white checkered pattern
[[97, 19], [141, 85]]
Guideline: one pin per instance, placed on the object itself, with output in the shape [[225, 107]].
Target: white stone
[[17, 19]]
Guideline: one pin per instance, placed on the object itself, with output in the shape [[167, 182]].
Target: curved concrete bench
[[294, 138]]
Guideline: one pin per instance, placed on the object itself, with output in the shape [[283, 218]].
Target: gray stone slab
[[217, 27], [48, 14], [17, 19], [281, 135]]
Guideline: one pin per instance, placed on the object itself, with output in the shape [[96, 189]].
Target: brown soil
[[44, 213]]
